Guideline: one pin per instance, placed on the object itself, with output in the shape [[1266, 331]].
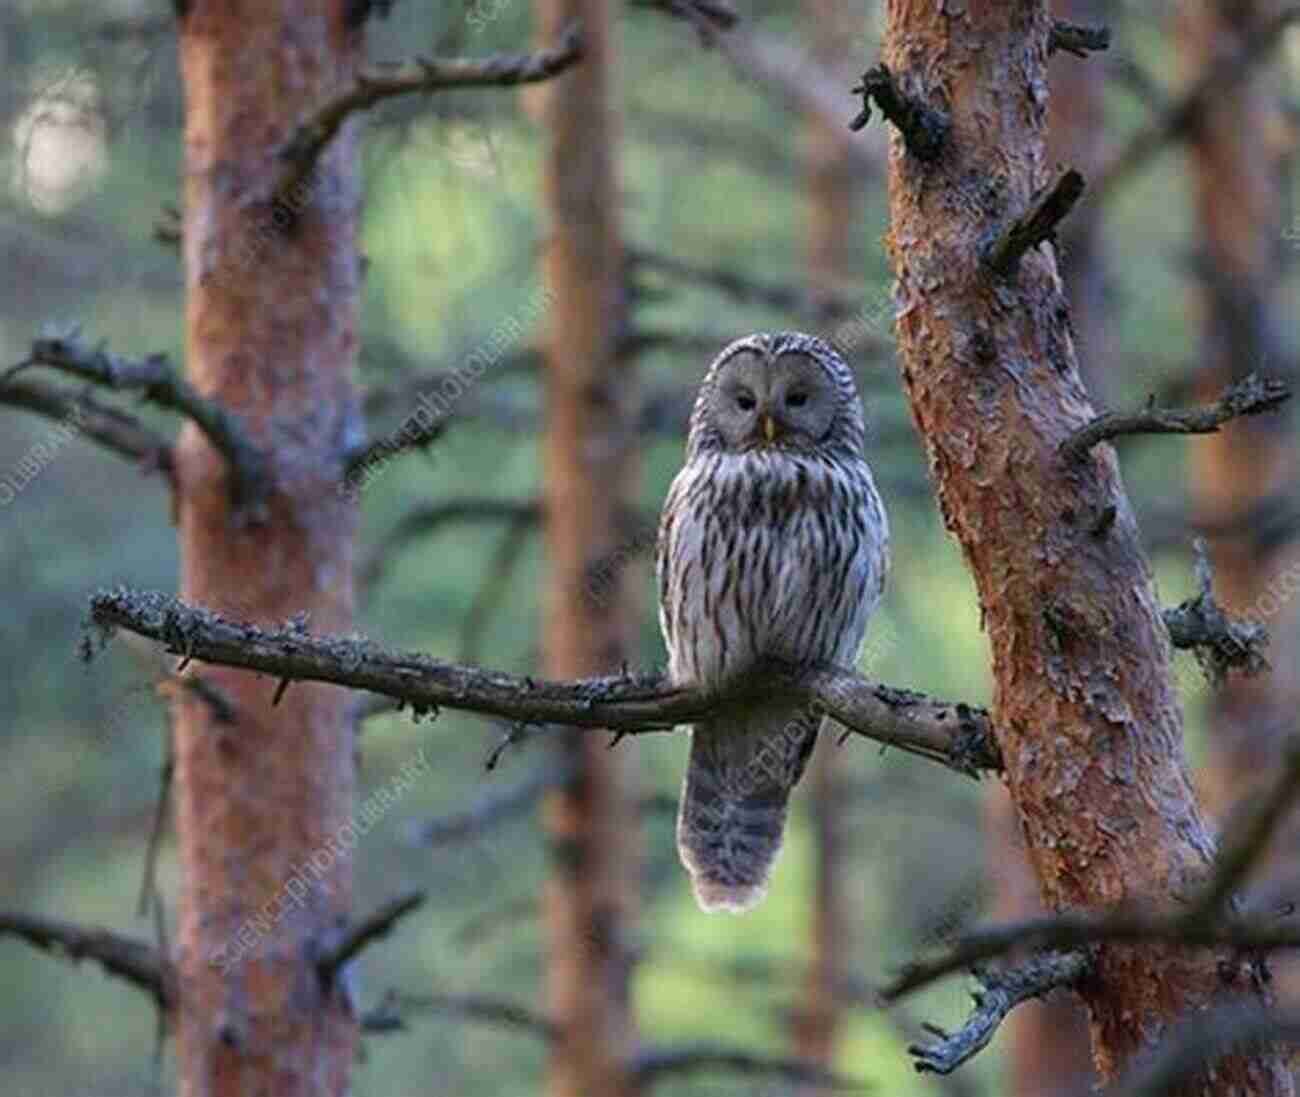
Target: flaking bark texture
[[589, 448], [1047, 1042], [270, 332], [1090, 729], [1249, 468]]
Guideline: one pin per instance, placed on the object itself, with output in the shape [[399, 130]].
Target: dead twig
[[1253, 395]]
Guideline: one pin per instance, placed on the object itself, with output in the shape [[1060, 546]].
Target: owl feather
[[772, 544]]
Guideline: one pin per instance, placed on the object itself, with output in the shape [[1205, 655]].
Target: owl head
[[782, 391]]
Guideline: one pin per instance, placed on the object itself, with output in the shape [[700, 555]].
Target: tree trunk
[[833, 217], [1047, 1040], [1086, 717], [270, 330], [1249, 466], [589, 449]]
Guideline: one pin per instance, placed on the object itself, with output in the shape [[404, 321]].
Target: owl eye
[[745, 400], [796, 399]]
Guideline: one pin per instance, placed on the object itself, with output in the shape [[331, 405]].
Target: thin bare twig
[[494, 807], [1203, 924], [1221, 643], [389, 1015], [1182, 116], [159, 383], [375, 925], [1252, 395], [128, 958], [791, 299], [1001, 991], [955, 734], [115, 430], [708, 17], [426, 520], [654, 1064], [421, 75]]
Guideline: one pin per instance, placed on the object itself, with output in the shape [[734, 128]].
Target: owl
[[773, 544]]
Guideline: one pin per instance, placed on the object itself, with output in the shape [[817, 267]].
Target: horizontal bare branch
[[115, 430], [494, 807], [128, 958], [652, 1065], [1001, 991], [155, 379], [390, 1014], [421, 75], [955, 734], [429, 519], [1205, 923], [1253, 395], [792, 299]]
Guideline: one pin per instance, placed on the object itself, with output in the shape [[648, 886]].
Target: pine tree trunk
[[1086, 717], [1237, 474], [270, 327], [1047, 1041], [589, 449]]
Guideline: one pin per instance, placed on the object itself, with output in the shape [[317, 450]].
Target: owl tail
[[733, 806]]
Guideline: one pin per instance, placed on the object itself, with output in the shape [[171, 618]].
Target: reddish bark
[[271, 333], [589, 626], [1090, 729], [1047, 1040]]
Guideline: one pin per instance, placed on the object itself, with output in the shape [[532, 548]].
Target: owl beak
[[769, 429]]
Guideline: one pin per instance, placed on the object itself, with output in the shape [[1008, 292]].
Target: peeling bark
[[271, 317], [1090, 728]]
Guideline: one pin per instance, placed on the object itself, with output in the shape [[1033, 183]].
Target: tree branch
[[791, 299], [1036, 225], [708, 17], [1182, 116], [1077, 39], [115, 430], [494, 807], [353, 939], [428, 519], [128, 958], [654, 1064], [1000, 992], [423, 75], [1202, 1038], [1203, 924], [1252, 395], [957, 735], [158, 383], [387, 1016], [924, 129], [1221, 643]]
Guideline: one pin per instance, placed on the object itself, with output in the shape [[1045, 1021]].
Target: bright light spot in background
[[61, 143]]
